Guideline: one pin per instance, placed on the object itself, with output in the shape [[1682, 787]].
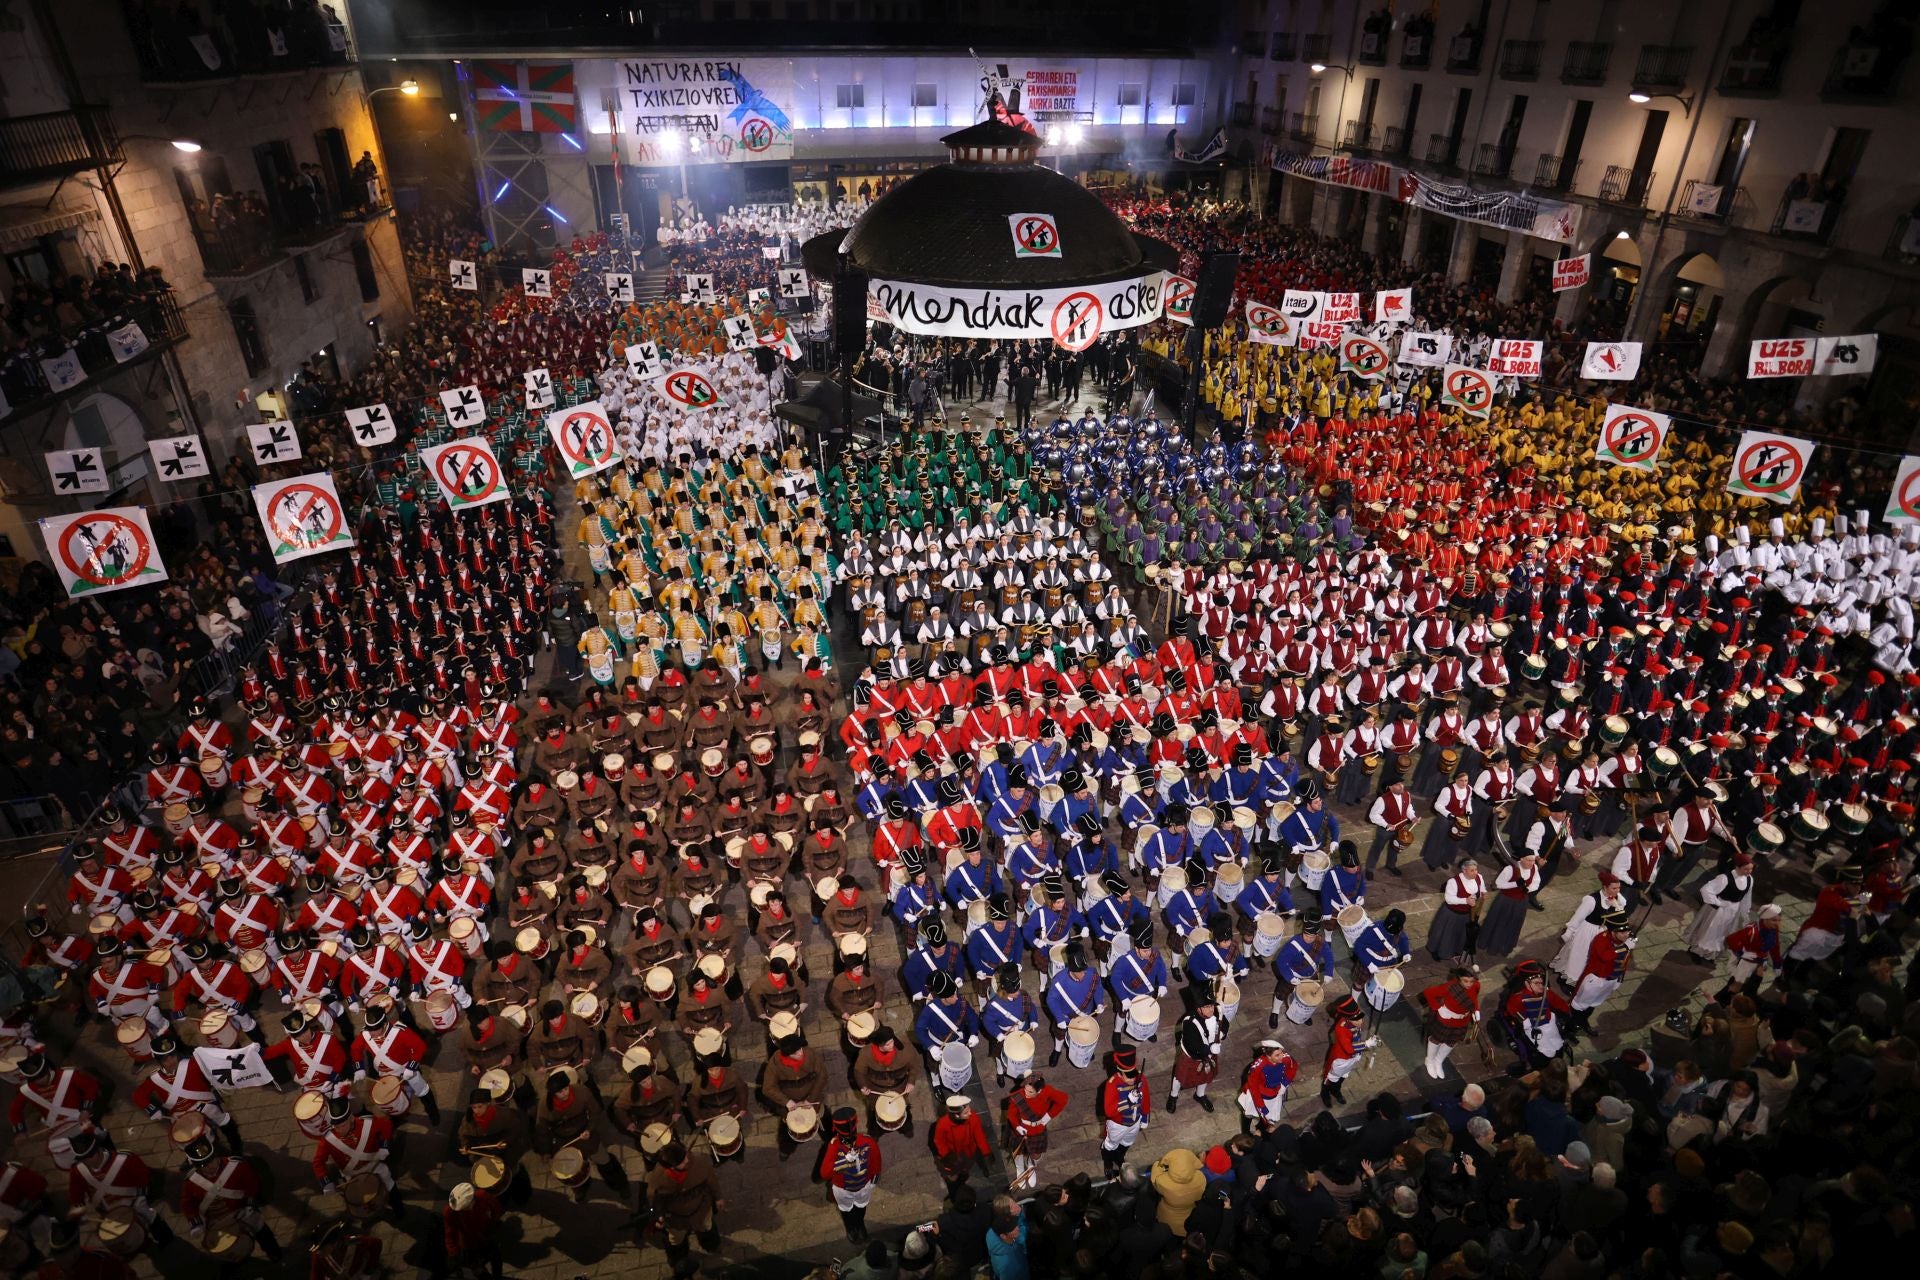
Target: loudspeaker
[[849, 313], [1213, 291]]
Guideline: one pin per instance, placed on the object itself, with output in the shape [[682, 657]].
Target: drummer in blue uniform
[[975, 878], [1116, 916], [994, 943], [1170, 846], [1219, 954], [1032, 859], [1137, 972], [1006, 817], [1267, 891], [944, 1019], [1084, 851], [1306, 955], [917, 898], [1186, 910], [1309, 826], [1052, 923], [1345, 886], [1073, 991], [934, 955], [1009, 1009], [1381, 945], [1240, 784]]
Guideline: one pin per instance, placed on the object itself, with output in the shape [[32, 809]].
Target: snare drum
[[1172, 881], [217, 1028], [119, 1231], [1229, 997], [389, 1097], [1314, 866], [860, 1029], [654, 1139], [443, 1014], [227, 1242], [1229, 879], [1384, 987], [250, 799], [464, 933], [1306, 997], [365, 1196], [724, 1136], [1767, 838], [1351, 919], [1083, 1035], [956, 1066], [1016, 1053], [1851, 819], [1269, 934], [1143, 1017], [176, 818], [803, 1124], [1663, 761], [488, 1172], [569, 1167], [186, 1128], [135, 1037], [213, 772], [310, 1113], [1810, 825], [890, 1112]]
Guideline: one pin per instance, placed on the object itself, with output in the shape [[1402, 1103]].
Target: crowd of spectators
[[42, 320]]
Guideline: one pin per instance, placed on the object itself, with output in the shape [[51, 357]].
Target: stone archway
[[1761, 314]]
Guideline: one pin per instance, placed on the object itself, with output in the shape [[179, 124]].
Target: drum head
[[1390, 979], [1083, 1030], [1172, 879], [802, 1122], [890, 1108], [1017, 1046], [1352, 917], [953, 1053], [723, 1132], [385, 1090], [861, 1025], [489, 1172], [1308, 991], [1144, 1009]]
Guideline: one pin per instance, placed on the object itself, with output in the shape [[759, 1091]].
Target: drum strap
[[941, 1014]]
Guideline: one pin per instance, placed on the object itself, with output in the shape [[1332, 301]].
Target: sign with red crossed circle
[[1177, 298], [1769, 466], [1077, 320], [1035, 235], [756, 134], [1268, 325], [1904, 506], [585, 438], [1363, 356], [106, 550], [688, 389], [302, 516], [1467, 388], [1631, 437], [467, 472]]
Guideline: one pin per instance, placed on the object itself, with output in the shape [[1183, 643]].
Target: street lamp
[[408, 87], [1640, 97]]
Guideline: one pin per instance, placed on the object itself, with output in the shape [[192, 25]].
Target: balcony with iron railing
[[1241, 116], [1492, 160], [1586, 62], [24, 380], [225, 47], [1808, 217], [1358, 136], [56, 144], [1283, 47], [1395, 141], [1624, 184], [1272, 120], [1863, 72], [1373, 48], [1316, 48], [1520, 59], [1753, 71], [1303, 126], [1443, 149], [1662, 66], [1709, 202], [1555, 173], [1416, 47], [1463, 53]]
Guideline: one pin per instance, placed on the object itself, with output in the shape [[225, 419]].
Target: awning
[[23, 223]]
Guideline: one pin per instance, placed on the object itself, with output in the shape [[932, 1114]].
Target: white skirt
[[853, 1199], [1593, 991], [1815, 944], [1711, 925], [1121, 1135]]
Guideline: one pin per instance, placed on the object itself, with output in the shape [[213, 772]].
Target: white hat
[[461, 1197], [1776, 527], [1820, 526], [1742, 534], [1769, 911]]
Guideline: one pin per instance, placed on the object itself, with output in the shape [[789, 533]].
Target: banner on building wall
[[1072, 317], [525, 97], [1053, 94], [105, 550], [1514, 210], [1631, 437], [1704, 198], [703, 111], [1338, 171], [1903, 504], [128, 341], [1515, 357], [302, 516], [1572, 273], [1769, 466]]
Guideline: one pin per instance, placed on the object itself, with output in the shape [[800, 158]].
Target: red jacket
[[960, 1139], [1605, 960], [1027, 1115], [851, 1165], [470, 1227]]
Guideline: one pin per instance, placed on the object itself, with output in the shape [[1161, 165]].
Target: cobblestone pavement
[[777, 1220]]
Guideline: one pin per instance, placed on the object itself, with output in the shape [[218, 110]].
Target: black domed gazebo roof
[[948, 225]]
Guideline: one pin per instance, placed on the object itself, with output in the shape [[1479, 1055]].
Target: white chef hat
[[1820, 526], [1713, 544], [1776, 527], [1742, 534]]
